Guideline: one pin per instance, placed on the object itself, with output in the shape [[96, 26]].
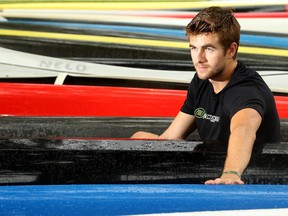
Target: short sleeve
[[188, 106], [244, 98]]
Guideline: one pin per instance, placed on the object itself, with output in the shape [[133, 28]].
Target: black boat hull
[[59, 150]]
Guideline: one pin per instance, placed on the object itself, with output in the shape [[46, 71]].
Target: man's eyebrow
[[205, 46], [209, 45]]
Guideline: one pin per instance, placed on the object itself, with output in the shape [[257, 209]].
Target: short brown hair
[[217, 20]]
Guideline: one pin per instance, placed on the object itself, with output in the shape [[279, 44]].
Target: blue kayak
[[247, 39], [131, 199]]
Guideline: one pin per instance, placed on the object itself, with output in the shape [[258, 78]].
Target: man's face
[[208, 56]]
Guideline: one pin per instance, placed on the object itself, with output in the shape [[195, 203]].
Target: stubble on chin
[[211, 74], [203, 73]]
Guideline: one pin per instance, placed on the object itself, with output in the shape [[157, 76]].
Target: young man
[[226, 101]]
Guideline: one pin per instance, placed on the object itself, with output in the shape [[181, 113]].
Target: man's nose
[[199, 56]]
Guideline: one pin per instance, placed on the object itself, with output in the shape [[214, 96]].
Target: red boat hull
[[68, 100]]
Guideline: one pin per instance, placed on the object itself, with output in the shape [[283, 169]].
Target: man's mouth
[[201, 67]]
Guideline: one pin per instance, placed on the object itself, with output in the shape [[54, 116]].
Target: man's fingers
[[215, 181], [224, 181]]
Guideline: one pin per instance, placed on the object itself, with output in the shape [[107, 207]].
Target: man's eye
[[209, 49]]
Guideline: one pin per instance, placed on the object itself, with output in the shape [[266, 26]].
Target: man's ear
[[232, 51]]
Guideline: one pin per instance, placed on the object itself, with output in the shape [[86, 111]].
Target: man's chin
[[202, 76]]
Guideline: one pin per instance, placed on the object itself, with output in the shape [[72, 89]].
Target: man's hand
[[226, 179]]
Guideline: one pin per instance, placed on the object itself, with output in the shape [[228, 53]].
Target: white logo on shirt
[[201, 113]]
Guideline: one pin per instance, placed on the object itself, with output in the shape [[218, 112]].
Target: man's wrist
[[231, 172]]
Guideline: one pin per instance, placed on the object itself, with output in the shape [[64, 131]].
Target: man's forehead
[[204, 38]]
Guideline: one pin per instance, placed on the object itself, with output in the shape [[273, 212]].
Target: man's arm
[[182, 125], [180, 128], [243, 128]]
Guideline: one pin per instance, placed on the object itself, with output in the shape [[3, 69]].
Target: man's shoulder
[[243, 69], [246, 76]]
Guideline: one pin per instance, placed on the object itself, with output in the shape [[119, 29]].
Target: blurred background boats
[[78, 78], [134, 34]]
